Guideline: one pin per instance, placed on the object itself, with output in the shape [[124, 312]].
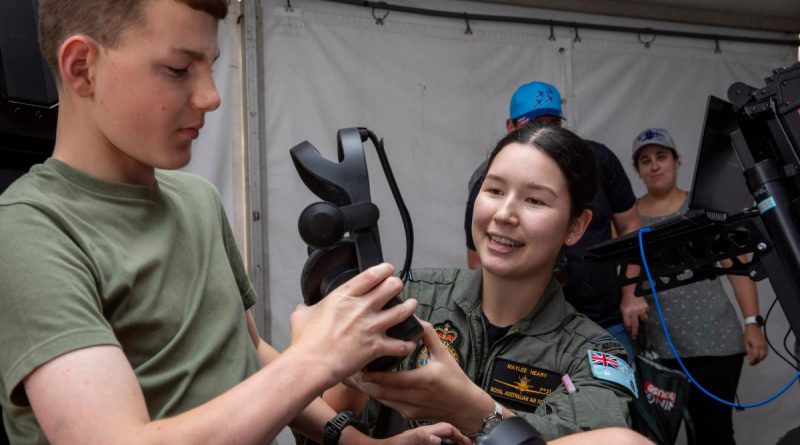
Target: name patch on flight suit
[[450, 337], [521, 386]]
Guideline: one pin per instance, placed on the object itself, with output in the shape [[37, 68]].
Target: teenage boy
[[124, 298]]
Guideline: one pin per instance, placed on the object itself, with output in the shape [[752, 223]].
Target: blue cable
[[675, 353]]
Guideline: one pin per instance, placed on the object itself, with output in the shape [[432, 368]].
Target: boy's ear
[[578, 226], [76, 61]]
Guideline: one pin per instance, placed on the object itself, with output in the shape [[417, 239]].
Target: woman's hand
[[755, 345], [438, 391]]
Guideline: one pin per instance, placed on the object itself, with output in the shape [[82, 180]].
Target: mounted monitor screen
[[719, 183]]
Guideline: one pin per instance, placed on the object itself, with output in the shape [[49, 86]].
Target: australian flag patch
[[611, 368]]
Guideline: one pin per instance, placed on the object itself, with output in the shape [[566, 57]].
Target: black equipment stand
[[762, 137]]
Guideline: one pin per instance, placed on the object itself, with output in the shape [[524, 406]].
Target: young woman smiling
[[500, 339]]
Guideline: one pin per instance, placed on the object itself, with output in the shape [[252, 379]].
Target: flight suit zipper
[[483, 379]]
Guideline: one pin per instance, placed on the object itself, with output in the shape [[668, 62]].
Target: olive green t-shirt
[[152, 270]]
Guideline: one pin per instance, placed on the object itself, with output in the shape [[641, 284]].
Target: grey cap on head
[[653, 136]]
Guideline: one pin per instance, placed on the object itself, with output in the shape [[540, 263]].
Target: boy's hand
[[423, 435], [428, 435], [347, 329]]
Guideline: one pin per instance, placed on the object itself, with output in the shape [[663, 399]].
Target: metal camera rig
[[760, 135]]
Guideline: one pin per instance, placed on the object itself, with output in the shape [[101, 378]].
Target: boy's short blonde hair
[[102, 20]]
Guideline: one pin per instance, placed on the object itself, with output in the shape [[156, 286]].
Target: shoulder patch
[[521, 386], [603, 339], [450, 337], [611, 368], [607, 342]]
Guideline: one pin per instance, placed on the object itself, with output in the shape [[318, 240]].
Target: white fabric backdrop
[[439, 97]]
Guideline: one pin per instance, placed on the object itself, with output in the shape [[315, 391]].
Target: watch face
[[490, 423], [333, 429]]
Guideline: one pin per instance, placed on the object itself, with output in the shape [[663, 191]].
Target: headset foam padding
[[326, 269]]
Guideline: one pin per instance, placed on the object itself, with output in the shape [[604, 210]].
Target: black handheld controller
[[342, 231]]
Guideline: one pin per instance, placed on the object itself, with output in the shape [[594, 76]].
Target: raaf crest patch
[[450, 337]]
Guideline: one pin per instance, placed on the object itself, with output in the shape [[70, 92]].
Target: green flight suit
[[523, 369]]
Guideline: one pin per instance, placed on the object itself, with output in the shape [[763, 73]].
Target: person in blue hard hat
[[616, 310]]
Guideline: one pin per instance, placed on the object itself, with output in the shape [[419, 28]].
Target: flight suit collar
[[467, 291], [549, 313]]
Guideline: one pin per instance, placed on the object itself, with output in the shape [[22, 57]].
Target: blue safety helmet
[[534, 100]]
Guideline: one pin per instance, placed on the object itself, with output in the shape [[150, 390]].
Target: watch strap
[[754, 319], [333, 429], [495, 418]]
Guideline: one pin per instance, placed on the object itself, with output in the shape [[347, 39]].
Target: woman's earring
[[569, 240]]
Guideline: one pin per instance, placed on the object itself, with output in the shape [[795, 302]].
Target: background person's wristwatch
[[754, 319], [333, 429]]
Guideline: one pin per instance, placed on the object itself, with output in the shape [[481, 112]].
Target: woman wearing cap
[[701, 320]]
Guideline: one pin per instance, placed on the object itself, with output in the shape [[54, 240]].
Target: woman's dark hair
[[574, 157]]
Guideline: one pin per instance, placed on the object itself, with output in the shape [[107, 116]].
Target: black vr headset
[[342, 230]]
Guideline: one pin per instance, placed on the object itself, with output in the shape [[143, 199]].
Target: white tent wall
[[439, 97], [219, 154], [621, 89]]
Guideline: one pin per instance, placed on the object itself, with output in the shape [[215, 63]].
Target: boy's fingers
[[448, 431], [397, 348], [387, 318], [383, 292], [365, 281], [391, 317], [431, 340]]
